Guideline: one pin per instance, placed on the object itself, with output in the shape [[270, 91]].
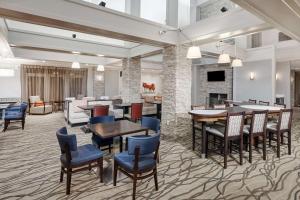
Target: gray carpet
[[30, 167]]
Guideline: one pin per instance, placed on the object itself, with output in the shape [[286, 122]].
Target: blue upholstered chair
[[150, 123], [15, 113], [140, 158], [76, 157], [98, 141]]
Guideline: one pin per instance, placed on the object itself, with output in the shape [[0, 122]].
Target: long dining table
[[213, 115]]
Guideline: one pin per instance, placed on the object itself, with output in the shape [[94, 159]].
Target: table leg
[[124, 109], [121, 143], [147, 132], [203, 149], [158, 111], [92, 112]]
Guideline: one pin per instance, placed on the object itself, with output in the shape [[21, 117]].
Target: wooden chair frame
[[280, 133], [68, 169], [252, 101], [264, 103], [252, 135], [136, 174], [229, 139]]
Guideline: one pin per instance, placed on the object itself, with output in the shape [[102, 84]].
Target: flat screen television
[[215, 76]]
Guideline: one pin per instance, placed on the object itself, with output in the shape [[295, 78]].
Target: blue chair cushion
[[13, 115], [83, 154], [147, 144], [126, 161]]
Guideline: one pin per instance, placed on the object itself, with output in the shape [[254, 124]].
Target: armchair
[[140, 158], [73, 158], [39, 107], [15, 113]]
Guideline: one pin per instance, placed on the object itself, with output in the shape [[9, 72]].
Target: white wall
[[283, 82], [261, 88], [111, 82], [152, 77], [154, 10], [10, 86]]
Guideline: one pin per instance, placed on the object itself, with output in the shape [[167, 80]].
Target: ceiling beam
[[89, 18], [234, 23], [21, 39], [59, 56], [282, 14]]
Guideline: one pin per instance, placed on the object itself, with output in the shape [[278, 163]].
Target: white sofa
[[75, 115]]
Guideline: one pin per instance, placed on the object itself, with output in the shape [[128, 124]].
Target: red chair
[[136, 112], [101, 111]]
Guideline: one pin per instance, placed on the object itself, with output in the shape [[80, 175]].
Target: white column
[[177, 85], [131, 80]]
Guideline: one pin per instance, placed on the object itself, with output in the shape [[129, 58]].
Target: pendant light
[[236, 62], [100, 68], [75, 65], [224, 58], [193, 52]]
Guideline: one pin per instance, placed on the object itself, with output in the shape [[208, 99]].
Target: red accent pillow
[[38, 103]]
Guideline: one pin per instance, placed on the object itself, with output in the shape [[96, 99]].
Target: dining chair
[[97, 140], [264, 103], [151, 123], [280, 128], [101, 110], [279, 105], [141, 158], [219, 106], [257, 128], [252, 101], [136, 112], [232, 131], [196, 125], [228, 103], [15, 113], [77, 158]]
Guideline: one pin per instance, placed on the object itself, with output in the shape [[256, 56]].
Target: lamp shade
[[100, 68], [224, 58], [193, 52], [237, 63], [75, 65]]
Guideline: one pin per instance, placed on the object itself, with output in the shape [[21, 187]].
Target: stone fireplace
[[216, 98], [208, 93]]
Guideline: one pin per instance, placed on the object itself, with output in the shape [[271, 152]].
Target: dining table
[[213, 115], [116, 129]]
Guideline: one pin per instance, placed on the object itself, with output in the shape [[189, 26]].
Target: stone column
[[131, 79], [99, 88], [177, 86]]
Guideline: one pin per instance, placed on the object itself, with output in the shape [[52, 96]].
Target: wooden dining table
[[116, 129], [213, 115]]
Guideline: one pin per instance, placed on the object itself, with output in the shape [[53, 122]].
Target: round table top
[[261, 107]]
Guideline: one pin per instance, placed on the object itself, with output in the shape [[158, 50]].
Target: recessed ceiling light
[[75, 52], [100, 55], [43, 61], [12, 45]]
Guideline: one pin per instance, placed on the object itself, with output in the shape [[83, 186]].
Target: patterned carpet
[[30, 167]]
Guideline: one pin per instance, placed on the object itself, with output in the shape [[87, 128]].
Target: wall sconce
[[277, 76], [252, 75]]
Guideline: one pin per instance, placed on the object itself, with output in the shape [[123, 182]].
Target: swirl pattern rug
[[30, 168]]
